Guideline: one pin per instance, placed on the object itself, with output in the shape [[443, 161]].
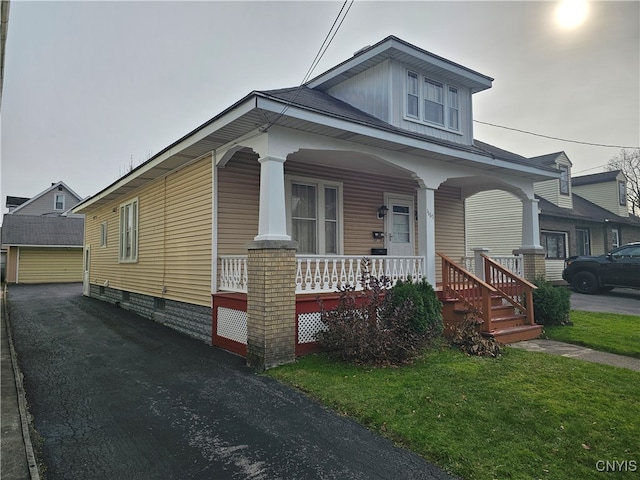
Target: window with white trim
[[103, 234], [622, 193], [129, 231], [615, 238], [315, 210], [58, 203], [432, 102], [554, 244], [564, 180]]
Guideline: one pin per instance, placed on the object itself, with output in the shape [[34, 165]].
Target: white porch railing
[[233, 273], [511, 263], [325, 273], [328, 273]]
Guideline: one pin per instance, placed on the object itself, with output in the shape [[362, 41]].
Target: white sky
[[90, 87]]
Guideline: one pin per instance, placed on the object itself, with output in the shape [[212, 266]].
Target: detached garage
[[43, 249]]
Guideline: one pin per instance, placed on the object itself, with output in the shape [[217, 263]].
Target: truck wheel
[[585, 282]]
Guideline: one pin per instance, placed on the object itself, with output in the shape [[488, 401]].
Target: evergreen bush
[[551, 305]]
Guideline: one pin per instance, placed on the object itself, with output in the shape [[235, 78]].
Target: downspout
[[17, 264]]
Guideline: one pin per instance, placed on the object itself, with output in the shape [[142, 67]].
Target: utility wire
[[323, 48], [556, 138]]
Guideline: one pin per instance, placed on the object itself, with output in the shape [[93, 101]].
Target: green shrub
[[381, 325], [551, 305]]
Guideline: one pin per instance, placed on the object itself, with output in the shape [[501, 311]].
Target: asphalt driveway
[[618, 300], [116, 396]]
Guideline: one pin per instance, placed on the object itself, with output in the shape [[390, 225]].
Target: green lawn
[[525, 415], [607, 332]]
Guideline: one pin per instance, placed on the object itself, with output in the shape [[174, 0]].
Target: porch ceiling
[[348, 160]]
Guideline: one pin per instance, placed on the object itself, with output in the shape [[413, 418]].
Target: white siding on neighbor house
[[493, 220], [604, 194], [45, 204], [449, 225], [49, 265], [369, 91], [553, 270], [399, 79]]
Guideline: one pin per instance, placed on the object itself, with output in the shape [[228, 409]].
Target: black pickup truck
[[618, 268]]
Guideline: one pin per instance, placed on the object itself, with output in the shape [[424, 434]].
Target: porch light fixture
[[382, 211]]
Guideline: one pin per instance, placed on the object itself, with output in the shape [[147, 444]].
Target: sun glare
[[571, 13]]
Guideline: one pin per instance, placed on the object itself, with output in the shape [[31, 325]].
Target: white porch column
[[530, 225], [272, 220], [427, 232]]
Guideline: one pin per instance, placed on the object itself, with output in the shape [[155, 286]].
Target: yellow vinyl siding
[[449, 225], [50, 265], [605, 195], [178, 257]]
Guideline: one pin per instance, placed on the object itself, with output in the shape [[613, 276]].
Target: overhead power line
[[323, 48], [557, 138]]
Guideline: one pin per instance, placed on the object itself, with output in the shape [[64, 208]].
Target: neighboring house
[[374, 156], [578, 216], [43, 241]]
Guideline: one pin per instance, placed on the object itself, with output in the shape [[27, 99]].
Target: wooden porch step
[[509, 320], [515, 334]]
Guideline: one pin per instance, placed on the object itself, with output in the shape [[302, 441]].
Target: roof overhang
[[256, 111], [409, 55]]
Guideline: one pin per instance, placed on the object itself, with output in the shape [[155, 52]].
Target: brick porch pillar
[[271, 303], [533, 263]]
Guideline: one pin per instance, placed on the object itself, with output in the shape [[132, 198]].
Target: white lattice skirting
[[232, 324], [308, 325]]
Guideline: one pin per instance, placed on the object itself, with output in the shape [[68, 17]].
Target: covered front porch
[[498, 297]]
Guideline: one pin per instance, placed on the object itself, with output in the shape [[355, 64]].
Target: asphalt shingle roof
[[595, 178], [322, 102], [584, 210], [42, 230]]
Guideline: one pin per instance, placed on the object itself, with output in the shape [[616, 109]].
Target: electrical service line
[[556, 138], [323, 48]]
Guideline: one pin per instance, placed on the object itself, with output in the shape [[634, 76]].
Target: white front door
[[399, 225], [85, 271]]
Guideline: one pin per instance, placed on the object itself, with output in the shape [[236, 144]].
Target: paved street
[[115, 396], [618, 300]]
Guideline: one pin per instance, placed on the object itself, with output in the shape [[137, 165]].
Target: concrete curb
[[34, 473]]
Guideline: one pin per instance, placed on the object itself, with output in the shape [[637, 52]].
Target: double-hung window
[[454, 109], [622, 193], [129, 231], [103, 234], [432, 102], [315, 210], [564, 180], [554, 244], [59, 201]]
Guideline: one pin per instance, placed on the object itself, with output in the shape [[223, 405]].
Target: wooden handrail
[[468, 289], [515, 290]]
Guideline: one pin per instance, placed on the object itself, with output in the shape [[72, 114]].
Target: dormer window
[[622, 193], [433, 103], [413, 99], [564, 180]]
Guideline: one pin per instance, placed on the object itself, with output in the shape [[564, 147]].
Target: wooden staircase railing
[[512, 288], [468, 289], [476, 294]]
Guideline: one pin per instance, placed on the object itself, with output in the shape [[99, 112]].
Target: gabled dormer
[[55, 200], [557, 191], [408, 88], [607, 190]]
